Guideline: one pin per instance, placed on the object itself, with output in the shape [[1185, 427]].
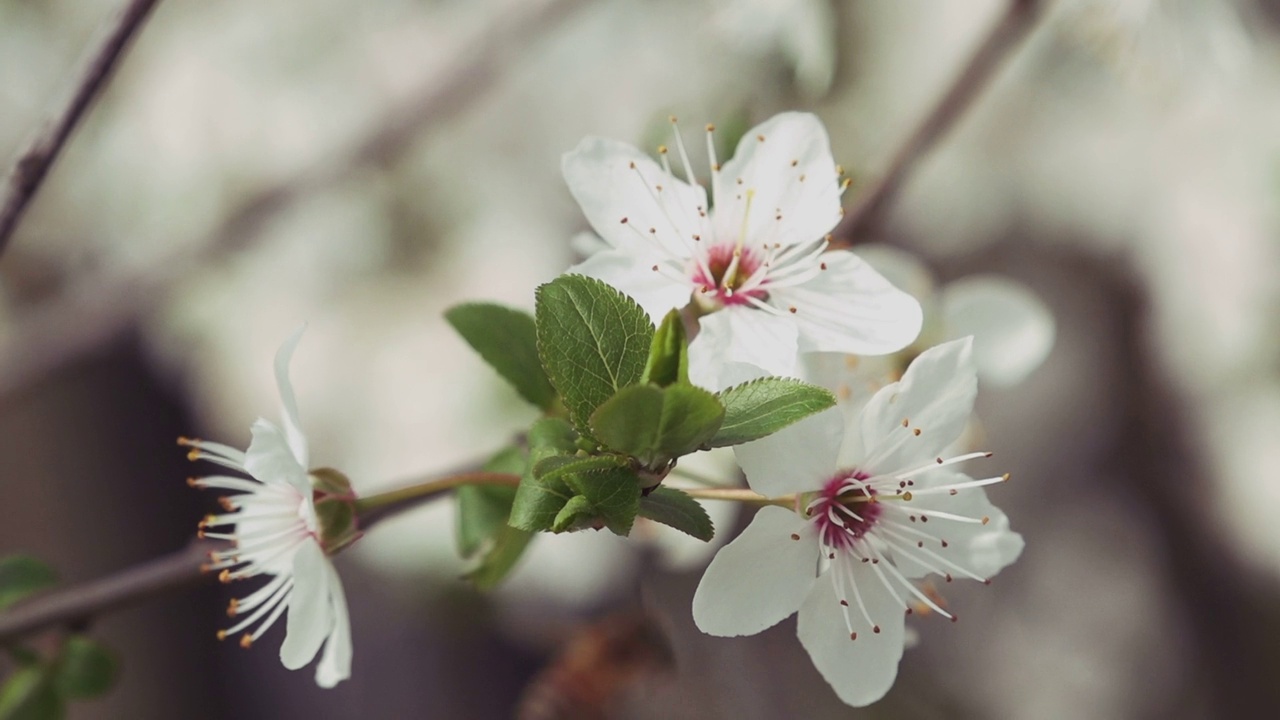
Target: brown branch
[[998, 46], [75, 322], [80, 603], [34, 161]]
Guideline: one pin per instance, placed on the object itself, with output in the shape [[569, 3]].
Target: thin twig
[[1005, 36], [34, 161], [79, 603], [94, 312], [376, 508]]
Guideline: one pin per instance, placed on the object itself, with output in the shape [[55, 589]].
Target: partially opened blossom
[[872, 511], [276, 528], [753, 260]]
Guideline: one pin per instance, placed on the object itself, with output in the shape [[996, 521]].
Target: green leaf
[[508, 547], [22, 575], [507, 339], [577, 507], [668, 361], [614, 496], [483, 509], [676, 509], [592, 339], [29, 695], [536, 503], [482, 512], [561, 466], [84, 670], [762, 407], [656, 424]]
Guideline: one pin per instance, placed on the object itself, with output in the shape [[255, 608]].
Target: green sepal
[[676, 509], [668, 361], [335, 509], [537, 503], [23, 575], [329, 481], [592, 341], [656, 425], [764, 406], [507, 339]]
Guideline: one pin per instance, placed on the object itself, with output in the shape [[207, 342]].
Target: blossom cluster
[[864, 499], [870, 498]]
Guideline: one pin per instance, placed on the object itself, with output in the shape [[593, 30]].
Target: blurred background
[[362, 166]]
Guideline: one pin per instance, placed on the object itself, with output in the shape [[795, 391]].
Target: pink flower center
[[725, 279], [844, 509]]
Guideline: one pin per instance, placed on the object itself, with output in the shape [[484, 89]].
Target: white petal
[[759, 578], [310, 613], [795, 145], [271, 460], [861, 671], [900, 268], [850, 308], [798, 458], [740, 334], [601, 178], [935, 396], [1012, 329], [982, 549], [632, 273], [293, 432], [335, 663]]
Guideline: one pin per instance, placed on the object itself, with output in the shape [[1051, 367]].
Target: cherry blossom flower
[[275, 531], [876, 510], [754, 262]]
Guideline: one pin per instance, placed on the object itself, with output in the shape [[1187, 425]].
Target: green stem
[[738, 495], [374, 508]]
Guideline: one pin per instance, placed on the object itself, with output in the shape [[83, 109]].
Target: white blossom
[[274, 532], [754, 261], [877, 509]]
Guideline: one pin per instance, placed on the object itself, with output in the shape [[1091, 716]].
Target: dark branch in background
[[1232, 618], [34, 161], [80, 603], [94, 312], [1005, 37]]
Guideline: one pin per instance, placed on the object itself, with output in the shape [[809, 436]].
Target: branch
[[33, 163], [47, 336], [1005, 36], [80, 603]]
